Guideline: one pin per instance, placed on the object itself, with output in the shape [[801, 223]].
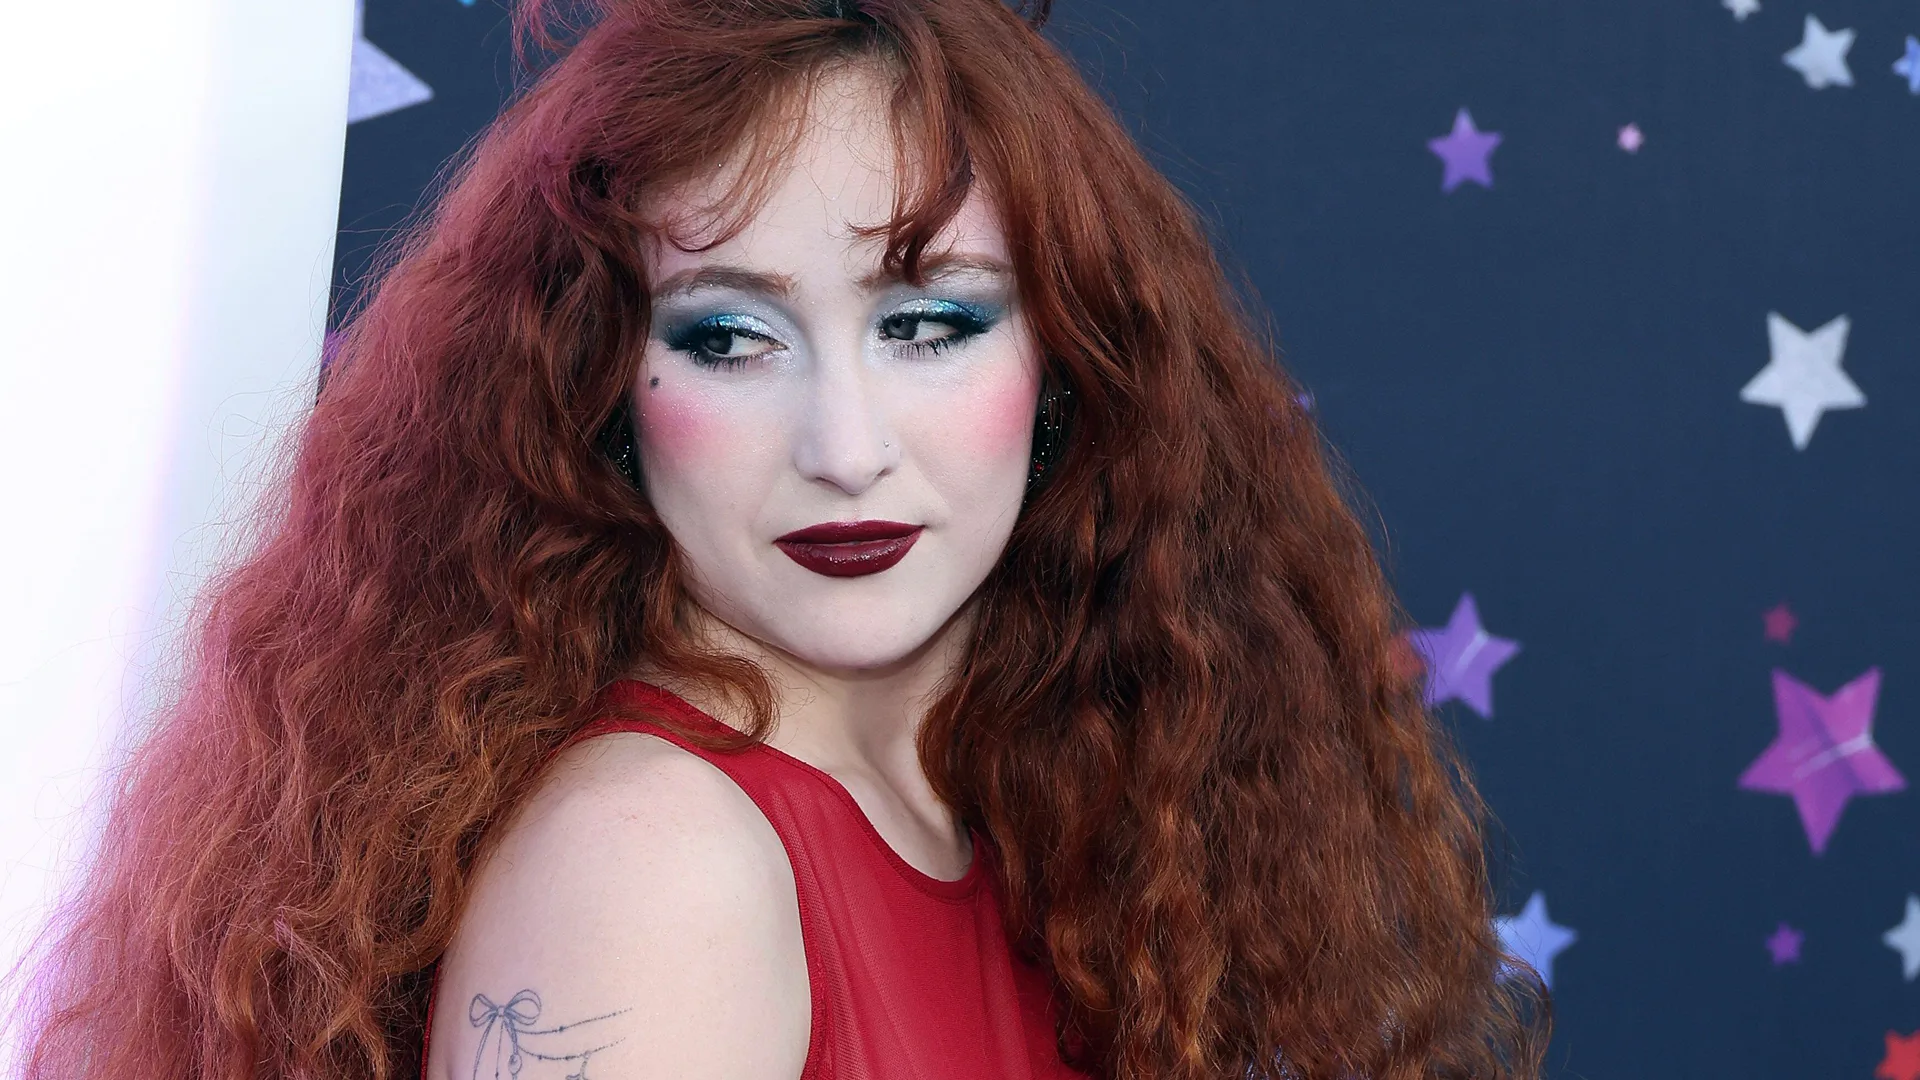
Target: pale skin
[[639, 895]]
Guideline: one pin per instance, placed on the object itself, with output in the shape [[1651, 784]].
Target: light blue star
[[1908, 66], [1533, 937], [377, 83]]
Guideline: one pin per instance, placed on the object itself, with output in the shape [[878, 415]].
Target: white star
[[1534, 937], [1821, 56], [1804, 378], [378, 84], [1905, 939], [1741, 8]]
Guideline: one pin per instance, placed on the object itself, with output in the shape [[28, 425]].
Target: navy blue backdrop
[[1634, 392]]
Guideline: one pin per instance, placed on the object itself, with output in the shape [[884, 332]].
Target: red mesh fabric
[[911, 976]]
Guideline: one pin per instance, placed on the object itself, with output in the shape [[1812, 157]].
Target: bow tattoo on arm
[[510, 1036]]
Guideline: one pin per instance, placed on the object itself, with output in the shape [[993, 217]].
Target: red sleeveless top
[[911, 977]]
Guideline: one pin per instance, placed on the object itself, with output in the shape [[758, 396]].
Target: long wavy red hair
[[1228, 827]]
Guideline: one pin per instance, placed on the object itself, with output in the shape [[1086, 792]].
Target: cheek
[[991, 424], [706, 451], [676, 427]]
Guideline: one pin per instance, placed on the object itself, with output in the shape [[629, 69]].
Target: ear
[[1052, 424], [616, 441]]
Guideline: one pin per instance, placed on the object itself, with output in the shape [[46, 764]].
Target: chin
[[856, 626], [864, 646]]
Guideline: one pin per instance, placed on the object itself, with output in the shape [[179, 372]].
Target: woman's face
[[789, 389]]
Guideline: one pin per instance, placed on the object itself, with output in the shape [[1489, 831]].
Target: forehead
[[841, 174]]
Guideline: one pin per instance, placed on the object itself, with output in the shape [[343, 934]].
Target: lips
[[849, 548]]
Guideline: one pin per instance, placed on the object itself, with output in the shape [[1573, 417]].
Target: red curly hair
[[1228, 827]]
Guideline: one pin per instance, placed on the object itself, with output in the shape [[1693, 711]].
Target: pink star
[[1632, 138], [1785, 945], [1824, 753], [1780, 623]]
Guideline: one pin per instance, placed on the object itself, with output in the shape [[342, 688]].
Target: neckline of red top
[[637, 692]]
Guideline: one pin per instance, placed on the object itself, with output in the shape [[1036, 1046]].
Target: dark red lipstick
[[849, 548]]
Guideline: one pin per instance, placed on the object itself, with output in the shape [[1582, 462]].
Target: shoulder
[[639, 796], [639, 881]]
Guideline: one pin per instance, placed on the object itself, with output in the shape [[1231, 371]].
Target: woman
[[802, 569]]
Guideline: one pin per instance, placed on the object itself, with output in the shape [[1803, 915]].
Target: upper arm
[[642, 910]]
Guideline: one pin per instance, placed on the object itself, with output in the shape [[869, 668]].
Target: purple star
[[1785, 945], [1465, 151], [1824, 754], [1461, 658]]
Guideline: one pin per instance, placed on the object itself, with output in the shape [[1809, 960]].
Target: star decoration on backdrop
[[1905, 939], [1821, 56], [1780, 623], [1461, 658], [1908, 66], [1741, 8], [1803, 377], [1465, 151], [1631, 138], [1784, 944], [1903, 1057], [378, 84], [1824, 754], [1533, 937]]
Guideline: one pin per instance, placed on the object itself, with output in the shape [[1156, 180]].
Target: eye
[[961, 322], [711, 342]]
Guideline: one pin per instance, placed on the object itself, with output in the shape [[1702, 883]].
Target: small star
[[1780, 623], [1465, 151], [1903, 1058], [1632, 138], [1908, 66], [1461, 658], [1803, 378], [1785, 945], [1905, 939], [1821, 56], [1741, 8], [1533, 937]]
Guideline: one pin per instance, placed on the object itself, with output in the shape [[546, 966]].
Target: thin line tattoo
[[509, 1037]]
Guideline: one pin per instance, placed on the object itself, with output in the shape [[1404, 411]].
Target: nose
[[845, 438]]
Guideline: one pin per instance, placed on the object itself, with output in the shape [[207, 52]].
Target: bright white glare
[[166, 223]]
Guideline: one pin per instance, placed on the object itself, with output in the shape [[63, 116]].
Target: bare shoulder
[[636, 918]]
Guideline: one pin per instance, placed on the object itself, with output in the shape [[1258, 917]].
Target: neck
[[859, 726], [860, 720]]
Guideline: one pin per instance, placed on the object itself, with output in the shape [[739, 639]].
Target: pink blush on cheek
[[677, 425], [992, 422]]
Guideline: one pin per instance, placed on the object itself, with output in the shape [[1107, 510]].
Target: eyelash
[[965, 325]]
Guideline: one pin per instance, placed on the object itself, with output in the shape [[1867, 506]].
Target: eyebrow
[[720, 276]]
